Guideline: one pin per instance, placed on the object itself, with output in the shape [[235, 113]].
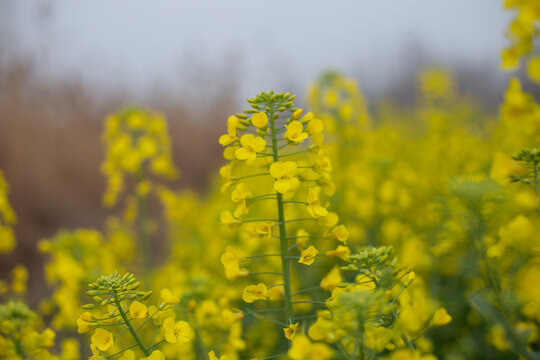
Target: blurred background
[[65, 64]]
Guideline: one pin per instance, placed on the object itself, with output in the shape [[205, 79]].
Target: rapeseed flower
[[250, 146], [177, 332]]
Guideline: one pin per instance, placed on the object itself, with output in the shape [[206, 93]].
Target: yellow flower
[[342, 252], [234, 122], [138, 310], [231, 260], [228, 138], [234, 272], [255, 292], [226, 177], [156, 355], [240, 196], [302, 238], [315, 127], [297, 113], [307, 257], [212, 356], [227, 218], [340, 233], [284, 173], [295, 133], [302, 348], [231, 316], [323, 166], [441, 317], [314, 206], [533, 68], [290, 331], [168, 298], [259, 120], [332, 280], [177, 332], [84, 323], [102, 339], [328, 221], [251, 145], [265, 229]]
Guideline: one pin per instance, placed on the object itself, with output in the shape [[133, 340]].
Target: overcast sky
[[139, 42]]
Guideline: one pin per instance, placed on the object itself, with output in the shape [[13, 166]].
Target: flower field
[[332, 230]]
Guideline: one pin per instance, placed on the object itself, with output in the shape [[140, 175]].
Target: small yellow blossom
[[290, 331], [314, 206], [265, 229], [231, 258], [231, 261], [295, 133], [328, 221], [259, 120], [138, 310], [441, 317], [226, 177], [341, 251], [297, 113], [102, 339], [168, 298], [332, 280], [227, 218], [212, 356], [314, 127], [302, 238], [302, 348], [339, 233], [285, 175], [533, 68], [251, 145], [231, 316], [228, 138], [240, 196], [307, 257], [255, 292], [85, 323], [177, 332]]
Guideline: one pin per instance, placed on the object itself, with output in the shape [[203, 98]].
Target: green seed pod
[[146, 295]]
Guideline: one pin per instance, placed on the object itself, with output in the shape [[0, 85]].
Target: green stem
[[18, 348], [134, 333], [306, 289], [289, 314], [295, 153], [265, 273], [147, 320], [261, 255], [250, 176], [261, 196], [404, 336], [121, 351]]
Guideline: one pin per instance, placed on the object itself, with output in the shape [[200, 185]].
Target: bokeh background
[[65, 64]]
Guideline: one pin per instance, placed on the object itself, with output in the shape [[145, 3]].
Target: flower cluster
[[521, 33], [278, 172], [7, 218], [19, 334], [119, 308], [137, 144]]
